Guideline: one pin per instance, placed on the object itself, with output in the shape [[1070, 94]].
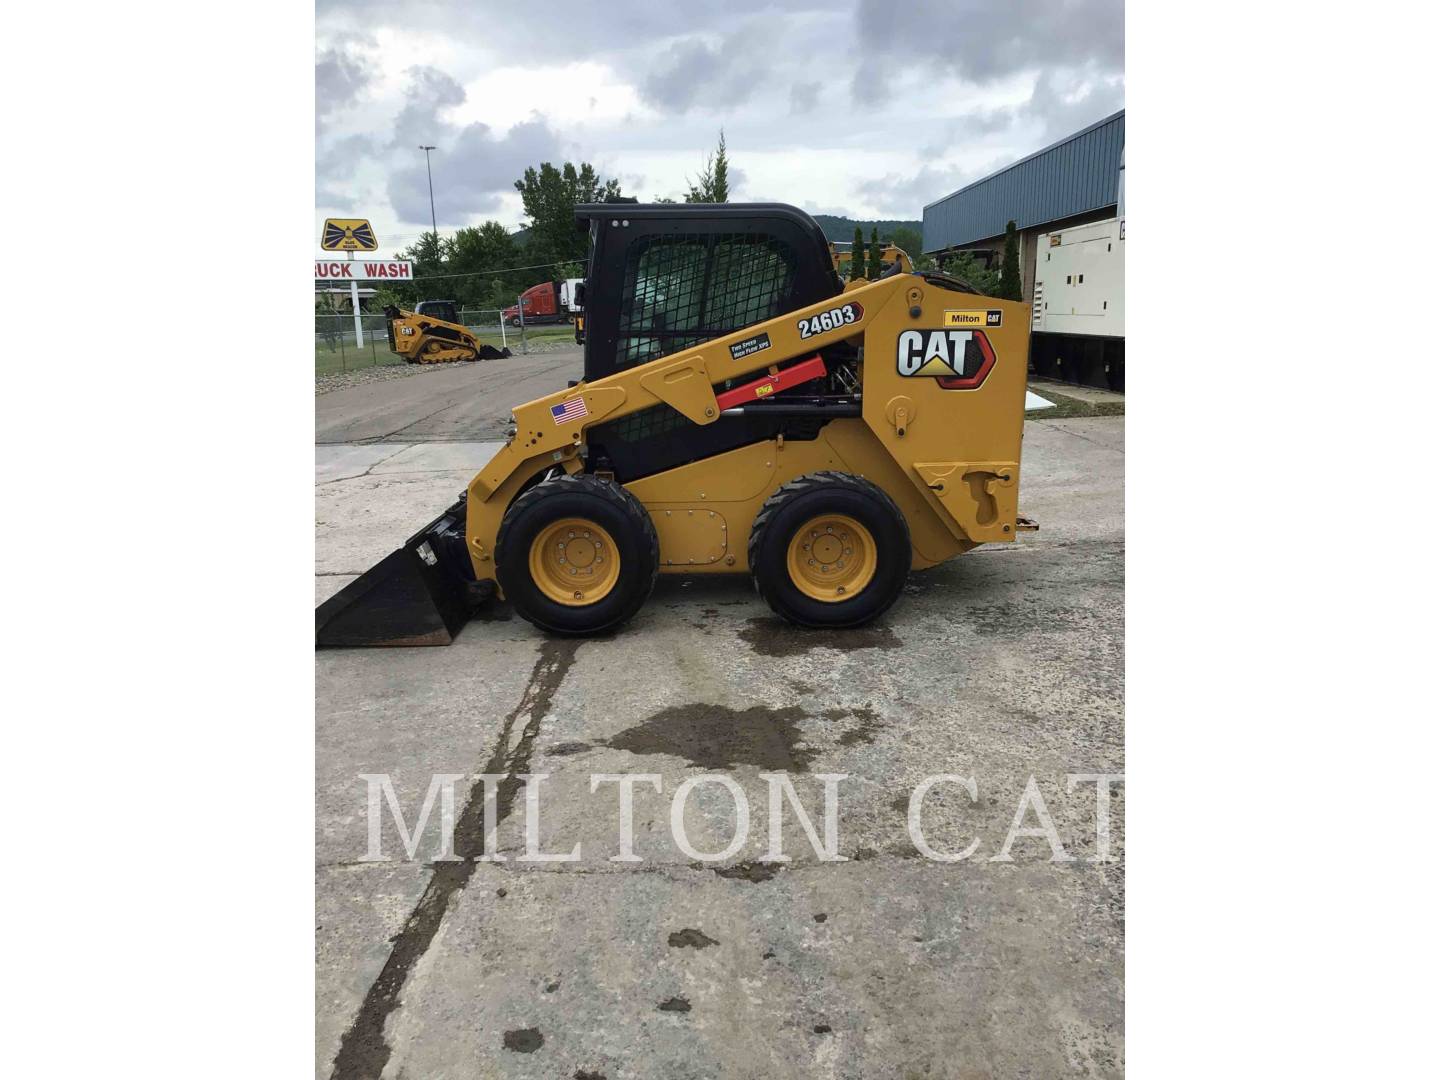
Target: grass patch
[[340, 354], [1067, 406]]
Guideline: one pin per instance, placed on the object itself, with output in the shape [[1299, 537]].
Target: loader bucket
[[420, 594]]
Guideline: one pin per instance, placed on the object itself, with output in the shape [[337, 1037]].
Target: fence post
[[520, 314], [504, 344]]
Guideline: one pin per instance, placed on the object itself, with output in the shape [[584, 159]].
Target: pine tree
[[1010, 267], [873, 270], [721, 184], [857, 255], [713, 183]]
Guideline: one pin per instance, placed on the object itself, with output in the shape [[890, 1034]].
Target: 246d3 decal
[[956, 359], [833, 319]]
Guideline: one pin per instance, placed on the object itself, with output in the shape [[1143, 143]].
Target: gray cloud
[[341, 77], [429, 93], [714, 67], [984, 40], [1065, 101], [804, 96], [903, 196], [472, 169], [695, 72]]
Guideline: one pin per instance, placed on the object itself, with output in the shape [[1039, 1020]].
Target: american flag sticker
[[566, 411]]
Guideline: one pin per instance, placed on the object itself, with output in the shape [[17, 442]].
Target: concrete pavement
[[1002, 665], [452, 401]]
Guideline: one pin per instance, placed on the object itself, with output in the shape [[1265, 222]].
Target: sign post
[[349, 235], [355, 307]]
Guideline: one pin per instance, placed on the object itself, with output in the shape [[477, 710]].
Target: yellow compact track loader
[[433, 334], [741, 412], [890, 255]]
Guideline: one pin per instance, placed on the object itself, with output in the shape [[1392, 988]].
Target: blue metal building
[[1075, 178]]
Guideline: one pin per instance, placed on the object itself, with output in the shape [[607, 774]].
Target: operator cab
[[444, 310], [665, 277]]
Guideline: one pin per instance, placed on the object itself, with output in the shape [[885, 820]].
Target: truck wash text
[[367, 270]]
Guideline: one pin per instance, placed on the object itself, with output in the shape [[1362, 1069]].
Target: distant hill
[[842, 229]]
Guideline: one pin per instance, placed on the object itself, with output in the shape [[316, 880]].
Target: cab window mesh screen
[[684, 289]]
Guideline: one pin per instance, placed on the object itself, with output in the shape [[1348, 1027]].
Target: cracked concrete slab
[[1002, 665]]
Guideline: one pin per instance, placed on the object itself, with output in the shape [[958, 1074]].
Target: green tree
[[969, 269], [722, 172], [550, 196], [485, 254], [907, 240], [857, 255], [713, 183], [1010, 266], [873, 270]]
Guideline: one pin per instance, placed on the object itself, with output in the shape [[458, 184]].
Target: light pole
[[434, 229]]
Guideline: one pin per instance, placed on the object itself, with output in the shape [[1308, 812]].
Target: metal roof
[[1075, 175]]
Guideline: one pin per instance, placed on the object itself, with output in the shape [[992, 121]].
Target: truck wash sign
[[364, 270], [348, 234]]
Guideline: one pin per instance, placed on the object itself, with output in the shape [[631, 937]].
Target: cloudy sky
[[867, 108]]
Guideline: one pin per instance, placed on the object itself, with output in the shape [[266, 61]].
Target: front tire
[[577, 555], [830, 549]]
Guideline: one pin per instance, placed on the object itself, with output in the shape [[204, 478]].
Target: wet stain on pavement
[[778, 638], [862, 732], [717, 737], [675, 1004], [753, 872], [586, 1074], [691, 939], [565, 749], [524, 1040]]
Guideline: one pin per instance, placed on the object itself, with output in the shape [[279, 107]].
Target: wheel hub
[[831, 558], [574, 562]]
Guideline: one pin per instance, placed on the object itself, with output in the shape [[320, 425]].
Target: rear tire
[[806, 582], [613, 555]]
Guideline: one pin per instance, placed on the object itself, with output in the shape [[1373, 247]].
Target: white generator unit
[[1077, 319], [1080, 281]]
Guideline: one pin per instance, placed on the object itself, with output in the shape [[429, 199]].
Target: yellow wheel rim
[[831, 558], [573, 561]]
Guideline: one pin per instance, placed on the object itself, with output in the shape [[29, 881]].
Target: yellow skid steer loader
[[741, 412]]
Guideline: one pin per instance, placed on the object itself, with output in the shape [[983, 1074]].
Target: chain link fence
[[336, 350]]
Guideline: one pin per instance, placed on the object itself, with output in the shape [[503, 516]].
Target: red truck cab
[[541, 303]]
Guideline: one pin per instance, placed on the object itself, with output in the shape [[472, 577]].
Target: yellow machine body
[[949, 457], [889, 256], [424, 339]]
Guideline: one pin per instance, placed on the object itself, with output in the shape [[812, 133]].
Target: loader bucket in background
[[420, 594]]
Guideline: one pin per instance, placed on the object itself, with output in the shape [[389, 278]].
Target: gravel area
[[325, 384]]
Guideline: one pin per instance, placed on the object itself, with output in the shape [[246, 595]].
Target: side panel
[[703, 512], [944, 394]]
